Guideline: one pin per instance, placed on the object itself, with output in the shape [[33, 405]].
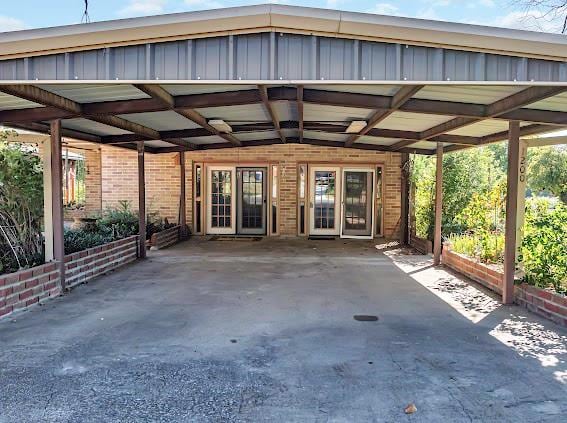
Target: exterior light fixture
[[220, 125], [356, 126]]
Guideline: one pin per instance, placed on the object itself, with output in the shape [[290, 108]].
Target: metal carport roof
[[410, 118]]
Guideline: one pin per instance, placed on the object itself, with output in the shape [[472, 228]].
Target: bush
[[544, 250], [118, 222], [21, 207], [488, 247], [79, 239]]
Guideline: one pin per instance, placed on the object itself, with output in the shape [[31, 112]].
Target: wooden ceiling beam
[[270, 109], [401, 96], [300, 112], [506, 105], [159, 93]]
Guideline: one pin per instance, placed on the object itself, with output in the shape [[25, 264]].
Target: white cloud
[[143, 7], [11, 24], [203, 4], [385, 9]]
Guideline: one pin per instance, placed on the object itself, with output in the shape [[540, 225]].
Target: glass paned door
[[323, 204], [252, 201], [357, 203], [221, 210]]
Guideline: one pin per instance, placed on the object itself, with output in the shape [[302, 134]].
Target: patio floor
[[264, 331]]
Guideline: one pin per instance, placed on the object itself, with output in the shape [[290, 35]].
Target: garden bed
[[540, 301], [424, 246], [165, 238], [28, 287]]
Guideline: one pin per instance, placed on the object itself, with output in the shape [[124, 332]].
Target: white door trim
[[228, 230], [372, 171], [338, 179]]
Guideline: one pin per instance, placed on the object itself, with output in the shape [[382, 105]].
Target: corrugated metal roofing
[[161, 121], [467, 94], [412, 121], [9, 102], [321, 113], [90, 93], [557, 103], [92, 127], [189, 89], [247, 113]]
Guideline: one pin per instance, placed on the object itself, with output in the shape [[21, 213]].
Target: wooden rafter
[[506, 105], [245, 97], [403, 95], [270, 109], [160, 94], [300, 112]]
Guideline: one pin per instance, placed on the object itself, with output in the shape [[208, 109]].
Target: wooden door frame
[[310, 198], [208, 227]]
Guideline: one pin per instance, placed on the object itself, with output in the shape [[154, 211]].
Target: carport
[[215, 84]]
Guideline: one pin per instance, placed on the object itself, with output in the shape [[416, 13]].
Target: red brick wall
[[490, 277], [27, 287], [85, 265], [550, 305]]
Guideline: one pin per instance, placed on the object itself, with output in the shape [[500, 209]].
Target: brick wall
[[85, 265], [120, 177], [288, 156], [119, 172], [27, 287], [93, 192], [547, 304], [490, 277]]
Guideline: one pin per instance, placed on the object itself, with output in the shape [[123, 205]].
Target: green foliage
[[465, 173], [488, 247], [118, 222], [21, 207], [544, 249], [548, 171], [80, 239]]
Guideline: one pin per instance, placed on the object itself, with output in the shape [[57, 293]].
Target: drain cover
[[365, 318]]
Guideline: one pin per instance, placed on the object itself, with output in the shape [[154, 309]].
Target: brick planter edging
[[540, 301], [424, 246], [85, 265], [165, 238], [28, 287], [548, 304], [487, 276]]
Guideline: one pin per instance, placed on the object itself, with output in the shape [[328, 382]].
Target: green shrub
[[118, 222], [487, 247], [544, 249], [79, 239]]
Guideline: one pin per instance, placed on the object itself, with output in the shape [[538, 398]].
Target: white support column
[[47, 201]]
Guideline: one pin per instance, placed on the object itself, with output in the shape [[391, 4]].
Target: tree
[[547, 14], [548, 171], [465, 173], [21, 207]]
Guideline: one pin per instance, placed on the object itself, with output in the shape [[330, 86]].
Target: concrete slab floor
[[264, 331]]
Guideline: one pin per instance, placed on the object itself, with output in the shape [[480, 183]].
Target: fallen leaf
[[410, 409]]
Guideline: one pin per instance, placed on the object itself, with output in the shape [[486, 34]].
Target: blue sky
[[23, 14]]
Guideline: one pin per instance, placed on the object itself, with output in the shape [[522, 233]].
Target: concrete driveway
[[264, 331]]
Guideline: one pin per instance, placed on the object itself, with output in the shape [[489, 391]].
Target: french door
[[251, 192], [324, 206], [221, 210], [357, 203], [236, 200]]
